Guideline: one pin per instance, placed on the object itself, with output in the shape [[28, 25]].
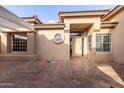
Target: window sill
[[15, 53]]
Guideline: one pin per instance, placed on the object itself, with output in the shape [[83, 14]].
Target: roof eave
[[50, 26], [112, 12], [32, 19], [11, 17], [63, 14], [109, 24]]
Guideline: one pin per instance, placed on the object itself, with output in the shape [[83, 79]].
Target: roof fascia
[[112, 12]]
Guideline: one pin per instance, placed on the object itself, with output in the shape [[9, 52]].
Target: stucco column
[[85, 45], [4, 43], [93, 47], [30, 43], [67, 40]]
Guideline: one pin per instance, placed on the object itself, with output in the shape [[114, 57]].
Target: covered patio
[[79, 33], [14, 29]]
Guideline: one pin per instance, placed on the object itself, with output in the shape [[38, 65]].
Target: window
[[19, 42], [89, 43], [103, 42]]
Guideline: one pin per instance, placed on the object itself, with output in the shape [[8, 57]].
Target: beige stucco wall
[[118, 37], [3, 43], [89, 54], [47, 49], [41, 43], [93, 30], [103, 56], [6, 51], [9, 45], [94, 56], [31, 43], [95, 20], [80, 20]]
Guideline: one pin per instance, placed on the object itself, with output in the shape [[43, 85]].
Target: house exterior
[[96, 35]]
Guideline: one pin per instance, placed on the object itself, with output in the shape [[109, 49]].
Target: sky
[[49, 12]]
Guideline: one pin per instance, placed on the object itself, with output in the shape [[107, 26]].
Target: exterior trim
[[18, 32], [7, 15], [104, 10], [49, 26], [32, 19], [63, 14], [108, 24], [112, 12]]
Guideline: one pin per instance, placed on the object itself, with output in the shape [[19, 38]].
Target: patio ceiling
[[11, 22], [80, 27]]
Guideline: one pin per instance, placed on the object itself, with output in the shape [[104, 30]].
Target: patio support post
[[4, 43], [30, 43], [93, 47], [67, 40]]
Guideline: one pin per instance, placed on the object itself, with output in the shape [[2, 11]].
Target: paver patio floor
[[78, 72]]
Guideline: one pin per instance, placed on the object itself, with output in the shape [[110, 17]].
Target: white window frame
[[104, 34], [12, 44]]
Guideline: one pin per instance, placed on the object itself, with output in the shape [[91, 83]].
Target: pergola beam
[[8, 27], [4, 13]]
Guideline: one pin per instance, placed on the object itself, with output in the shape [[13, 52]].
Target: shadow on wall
[[117, 49], [48, 49], [118, 43], [108, 60]]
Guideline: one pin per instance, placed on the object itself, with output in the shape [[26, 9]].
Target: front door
[[76, 46]]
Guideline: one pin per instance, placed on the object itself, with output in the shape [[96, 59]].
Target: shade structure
[[11, 22]]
